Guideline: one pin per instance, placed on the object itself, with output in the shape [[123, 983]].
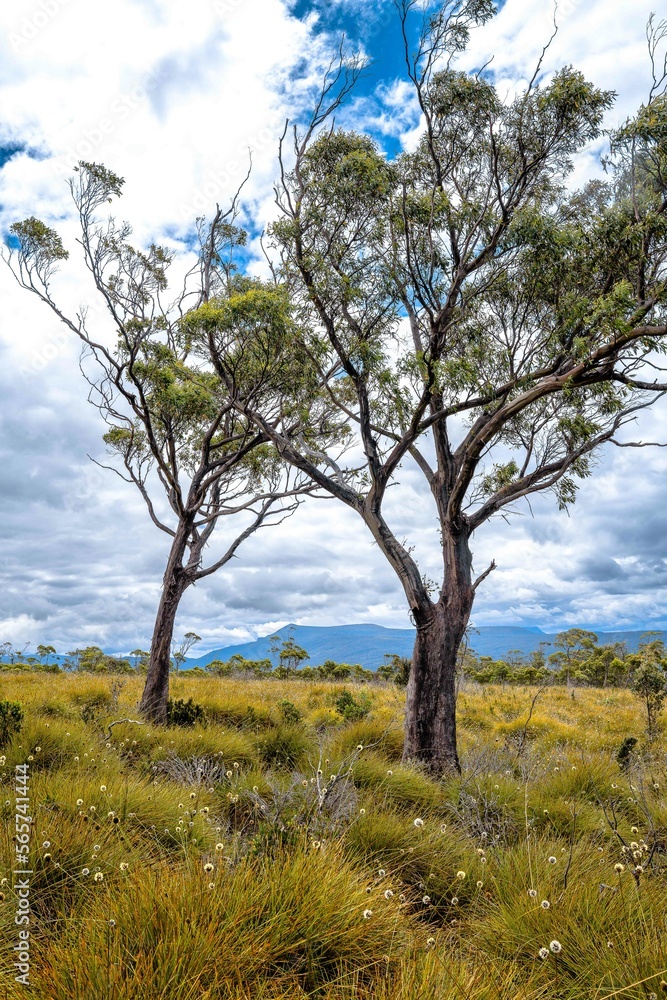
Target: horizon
[[215, 647]]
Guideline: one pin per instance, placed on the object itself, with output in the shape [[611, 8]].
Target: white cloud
[[171, 96]]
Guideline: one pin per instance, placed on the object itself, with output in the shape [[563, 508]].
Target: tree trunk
[[430, 711], [154, 699]]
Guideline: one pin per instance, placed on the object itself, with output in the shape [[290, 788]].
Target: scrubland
[[281, 852]]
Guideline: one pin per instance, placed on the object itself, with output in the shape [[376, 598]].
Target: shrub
[[11, 720], [351, 709], [185, 713], [396, 669], [95, 707], [624, 753], [648, 684], [284, 746], [289, 712]]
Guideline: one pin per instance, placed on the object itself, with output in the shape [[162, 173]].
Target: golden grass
[[254, 858]]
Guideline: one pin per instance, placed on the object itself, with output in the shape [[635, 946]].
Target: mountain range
[[368, 644]]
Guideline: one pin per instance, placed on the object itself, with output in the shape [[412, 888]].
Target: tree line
[[577, 660], [289, 656]]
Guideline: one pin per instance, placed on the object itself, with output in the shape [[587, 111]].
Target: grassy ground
[[280, 852]]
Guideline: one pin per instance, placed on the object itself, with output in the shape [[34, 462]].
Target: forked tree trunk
[[430, 711], [155, 697]]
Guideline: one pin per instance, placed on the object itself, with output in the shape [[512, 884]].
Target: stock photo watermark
[[119, 111], [219, 182], [21, 873], [563, 8], [33, 24], [225, 6], [39, 358]]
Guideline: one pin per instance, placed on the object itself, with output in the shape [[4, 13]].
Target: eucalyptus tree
[[469, 316], [172, 428], [573, 647], [44, 652]]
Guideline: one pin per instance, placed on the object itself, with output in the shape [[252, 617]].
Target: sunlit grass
[[264, 857]]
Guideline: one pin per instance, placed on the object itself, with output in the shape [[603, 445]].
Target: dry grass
[[238, 859]]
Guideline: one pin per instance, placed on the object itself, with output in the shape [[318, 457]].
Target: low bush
[[11, 720], [185, 713], [285, 746], [352, 709]]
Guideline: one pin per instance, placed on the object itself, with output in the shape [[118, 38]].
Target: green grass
[[263, 859]]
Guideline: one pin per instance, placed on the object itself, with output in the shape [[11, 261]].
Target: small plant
[[192, 770], [95, 707], [648, 684], [289, 712], [624, 752], [115, 689], [395, 669], [185, 713], [89, 713], [11, 720], [351, 709], [285, 746]]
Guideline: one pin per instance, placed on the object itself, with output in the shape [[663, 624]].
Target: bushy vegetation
[[577, 659], [11, 720], [283, 850]]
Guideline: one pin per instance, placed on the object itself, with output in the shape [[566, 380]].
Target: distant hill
[[368, 644], [364, 644]]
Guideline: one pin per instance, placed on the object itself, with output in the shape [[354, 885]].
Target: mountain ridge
[[367, 644]]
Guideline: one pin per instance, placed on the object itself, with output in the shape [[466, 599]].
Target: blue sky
[[171, 96]]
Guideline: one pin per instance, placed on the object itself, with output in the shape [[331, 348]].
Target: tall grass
[[255, 857]]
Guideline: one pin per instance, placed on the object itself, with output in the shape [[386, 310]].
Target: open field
[[282, 852]]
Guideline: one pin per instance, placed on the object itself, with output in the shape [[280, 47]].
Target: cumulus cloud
[[173, 98]]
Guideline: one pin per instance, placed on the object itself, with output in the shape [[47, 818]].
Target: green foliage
[[38, 243], [649, 684], [11, 721], [219, 668], [105, 182], [289, 712], [93, 660], [528, 305], [287, 745], [624, 754], [185, 713], [352, 709], [330, 670], [238, 664], [291, 654], [93, 708], [44, 652], [395, 669]]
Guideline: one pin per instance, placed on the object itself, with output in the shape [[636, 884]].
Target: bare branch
[[484, 575]]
